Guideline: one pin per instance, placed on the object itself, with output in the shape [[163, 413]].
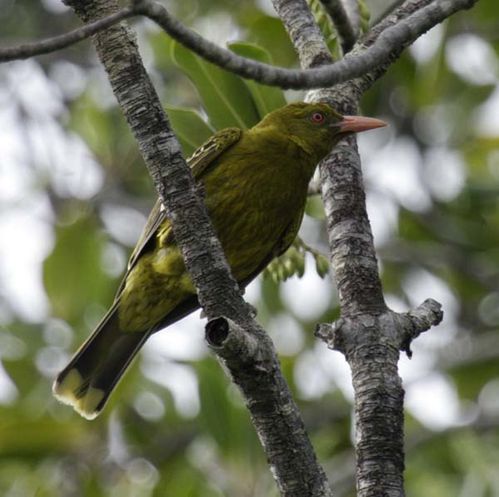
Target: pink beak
[[354, 124]]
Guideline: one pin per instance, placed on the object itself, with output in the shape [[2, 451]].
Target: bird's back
[[254, 193]]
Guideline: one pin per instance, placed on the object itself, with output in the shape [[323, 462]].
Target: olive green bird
[[254, 184]]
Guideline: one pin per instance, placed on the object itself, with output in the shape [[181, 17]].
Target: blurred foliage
[[292, 262], [78, 201], [365, 15], [327, 28]]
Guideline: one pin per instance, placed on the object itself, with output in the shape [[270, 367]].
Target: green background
[[74, 195]]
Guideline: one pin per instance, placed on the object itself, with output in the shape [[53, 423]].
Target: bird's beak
[[355, 124]]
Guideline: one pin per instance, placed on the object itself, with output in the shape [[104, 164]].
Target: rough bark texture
[[368, 341], [350, 238], [278, 423], [378, 407], [371, 343], [368, 333], [304, 32], [254, 368]]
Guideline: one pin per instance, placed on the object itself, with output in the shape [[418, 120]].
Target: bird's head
[[316, 127]]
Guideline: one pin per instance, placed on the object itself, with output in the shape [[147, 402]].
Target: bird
[[254, 185]]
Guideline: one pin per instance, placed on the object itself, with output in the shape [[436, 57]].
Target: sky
[[32, 120]]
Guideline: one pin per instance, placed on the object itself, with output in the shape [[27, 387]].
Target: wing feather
[[200, 162]]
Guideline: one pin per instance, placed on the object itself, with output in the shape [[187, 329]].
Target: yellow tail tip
[[85, 405]]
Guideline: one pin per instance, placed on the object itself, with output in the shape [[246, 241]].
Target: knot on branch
[[388, 328], [417, 321], [217, 331], [236, 345]]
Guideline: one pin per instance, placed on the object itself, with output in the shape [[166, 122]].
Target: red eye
[[317, 117]]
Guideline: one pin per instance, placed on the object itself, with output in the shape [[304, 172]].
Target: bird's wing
[[210, 150], [199, 162], [283, 243]]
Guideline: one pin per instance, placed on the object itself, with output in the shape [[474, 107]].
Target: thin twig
[[41, 47], [342, 23]]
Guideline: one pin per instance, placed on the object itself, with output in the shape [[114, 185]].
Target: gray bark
[[368, 333], [304, 32]]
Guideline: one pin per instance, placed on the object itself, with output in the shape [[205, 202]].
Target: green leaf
[[365, 15], [269, 32], [41, 436], [292, 262], [314, 207], [223, 414], [190, 128], [327, 27], [225, 97], [72, 272], [266, 98]]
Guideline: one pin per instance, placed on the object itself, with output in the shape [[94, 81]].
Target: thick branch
[[350, 237], [369, 334], [369, 341], [269, 399], [280, 428], [371, 345], [388, 45]]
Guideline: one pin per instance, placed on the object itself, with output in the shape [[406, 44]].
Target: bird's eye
[[317, 117]]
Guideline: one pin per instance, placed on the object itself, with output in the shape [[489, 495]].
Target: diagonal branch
[[400, 36], [273, 411], [385, 47]]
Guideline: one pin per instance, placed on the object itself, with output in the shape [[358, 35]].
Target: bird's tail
[[87, 381]]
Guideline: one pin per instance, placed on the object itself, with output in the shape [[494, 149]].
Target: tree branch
[[369, 340], [253, 368], [387, 46], [304, 32], [259, 377], [342, 23], [400, 35], [41, 47], [369, 334]]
